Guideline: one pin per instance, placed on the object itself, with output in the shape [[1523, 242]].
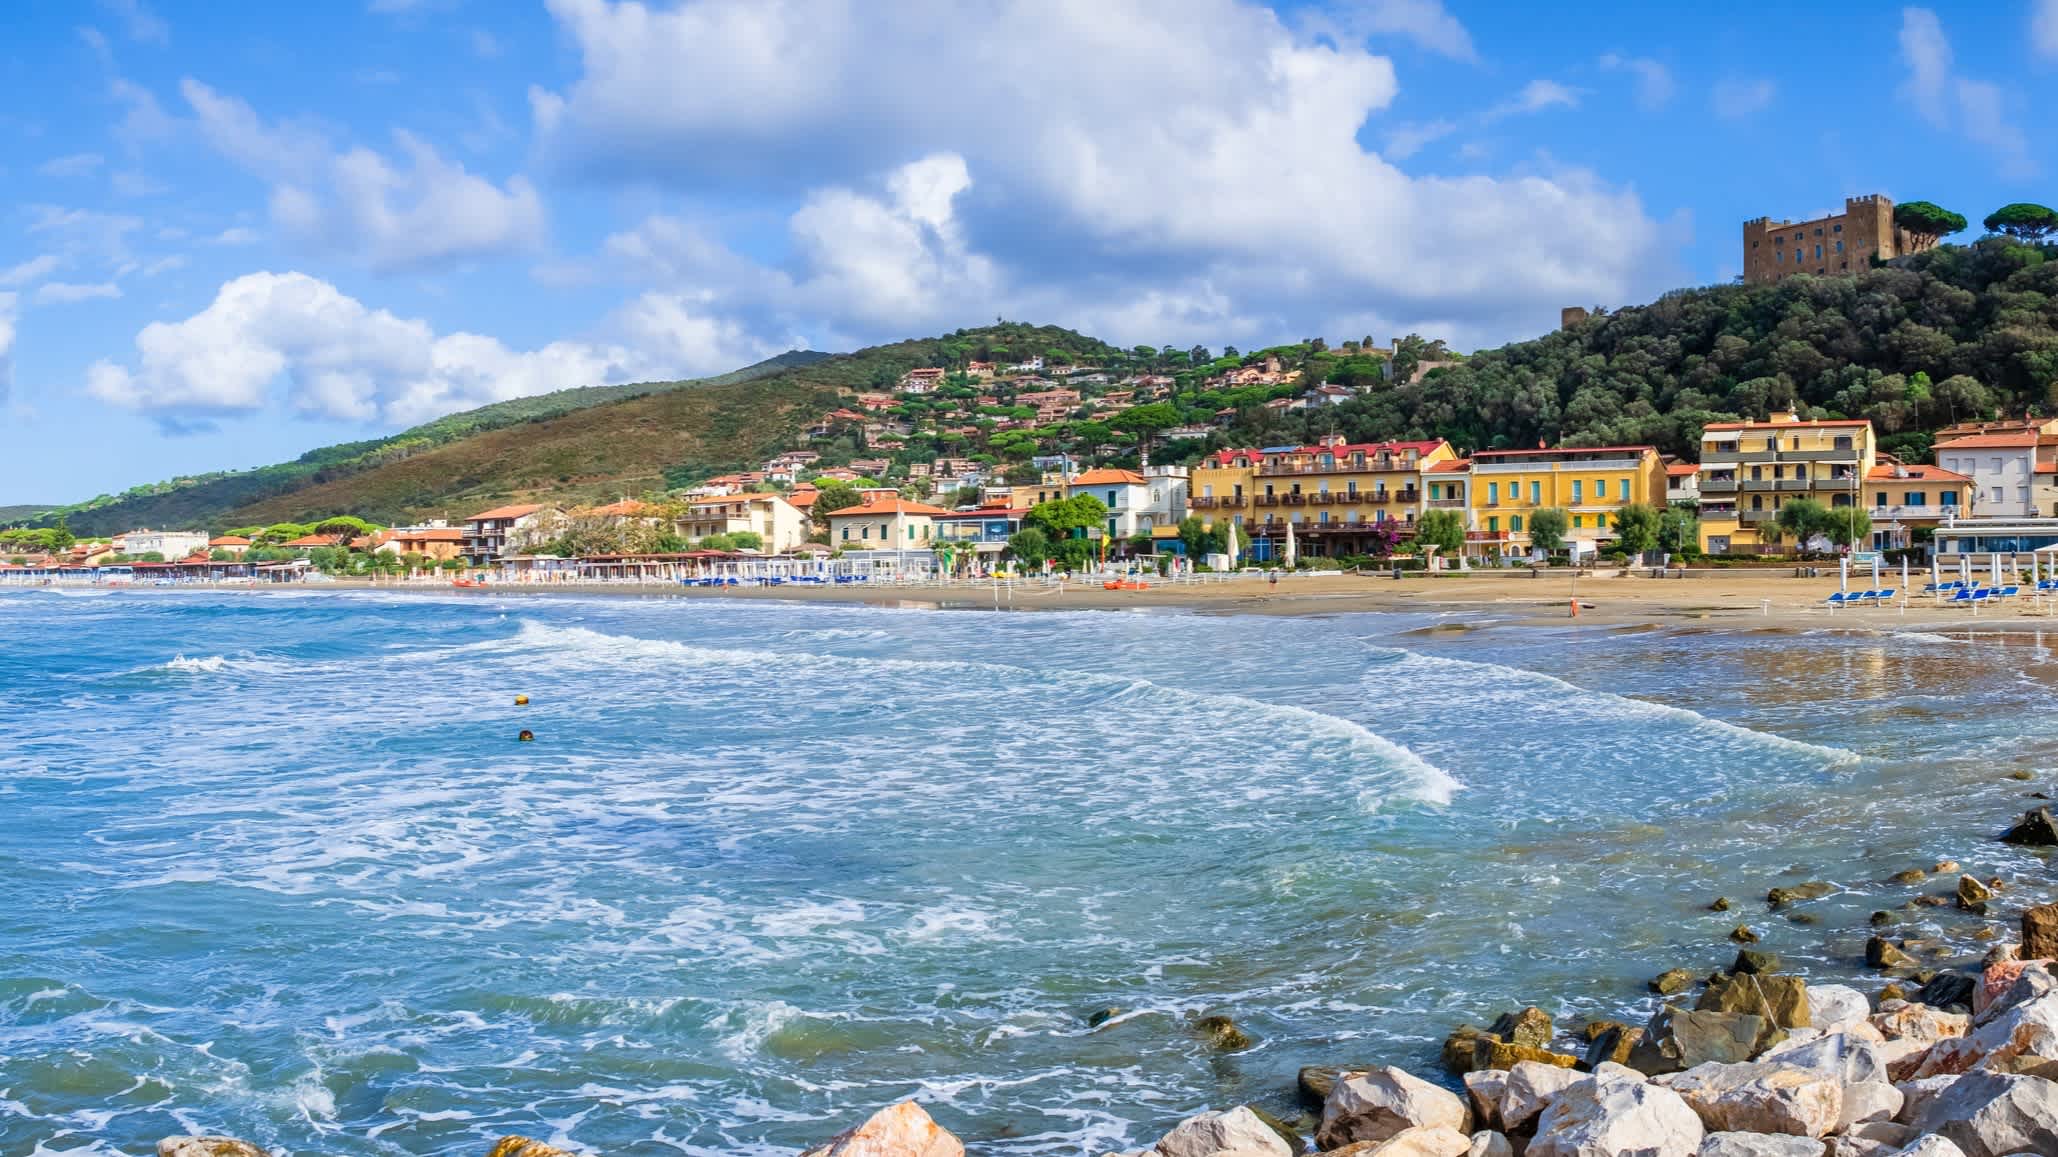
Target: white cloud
[[74, 165], [1407, 140], [2043, 28], [6, 345], [485, 45], [1131, 147], [164, 265], [86, 232], [1654, 85], [1736, 97], [273, 336], [35, 267], [138, 21], [424, 212], [70, 293], [1425, 22], [1535, 96], [1975, 108], [130, 183], [237, 235]]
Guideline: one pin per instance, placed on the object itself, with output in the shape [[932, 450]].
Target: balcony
[[1294, 499], [1377, 497], [1447, 504], [1487, 535], [1748, 517], [1202, 503], [1924, 512], [1846, 455], [1409, 496], [1793, 485], [1266, 500], [1758, 484], [1718, 485]]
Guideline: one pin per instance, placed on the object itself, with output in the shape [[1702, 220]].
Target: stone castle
[[1827, 246]]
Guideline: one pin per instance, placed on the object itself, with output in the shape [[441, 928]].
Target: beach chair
[[2008, 592], [1843, 597], [1961, 595], [1883, 596]]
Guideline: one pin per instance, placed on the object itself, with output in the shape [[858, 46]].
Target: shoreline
[[1736, 600]]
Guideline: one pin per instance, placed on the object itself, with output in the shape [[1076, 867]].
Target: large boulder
[[1487, 1143], [1529, 1027], [1950, 990], [1484, 1089], [1996, 1115], [1238, 1132], [1759, 1145], [1609, 1115], [1930, 1146], [1427, 1141], [1869, 1101], [229, 1147], [1837, 1007], [1898, 1020], [1917, 1094], [1376, 1105], [2040, 932], [1783, 1000], [1530, 1090], [1839, 1055], [1678, 1038], [1761, 1098], [1316, 1081], [2026, 1029], [2026, 980], [901, 1130]]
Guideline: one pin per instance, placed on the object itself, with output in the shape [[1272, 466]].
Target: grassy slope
[[24, 510]]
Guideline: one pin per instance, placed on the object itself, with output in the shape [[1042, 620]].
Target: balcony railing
[[1793, 484], [1938, 512], [1849, 455], [1718, 485], [1200, 503], [1266, 500], [1294, 499], [1378, 497], [1407, 496], [1759, 484], [1751, 516], [1447, 504]]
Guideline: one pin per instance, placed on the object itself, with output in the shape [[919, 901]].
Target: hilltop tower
[[1827, 246]]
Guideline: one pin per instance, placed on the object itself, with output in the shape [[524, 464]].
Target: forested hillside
[[1953, 333]]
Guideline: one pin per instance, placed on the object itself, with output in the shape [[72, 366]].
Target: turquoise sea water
[[274, 865]]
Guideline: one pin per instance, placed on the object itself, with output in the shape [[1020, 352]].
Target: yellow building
[[1750, 469], [1902, 499], [1339, 497], [1508, 487]]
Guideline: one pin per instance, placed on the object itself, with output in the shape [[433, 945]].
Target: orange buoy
[[521, 700], [527, 736]]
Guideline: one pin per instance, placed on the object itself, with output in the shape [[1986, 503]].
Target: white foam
[[1590, 701], [208, 664]]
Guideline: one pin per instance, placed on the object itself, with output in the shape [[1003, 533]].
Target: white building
[[2002, 468], [781, 525], [172, 544], [1137, 503]]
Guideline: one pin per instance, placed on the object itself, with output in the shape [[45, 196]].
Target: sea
[[276, 864]]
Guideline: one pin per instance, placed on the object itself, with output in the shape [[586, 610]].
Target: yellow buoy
[[527, 736], [521, 700]]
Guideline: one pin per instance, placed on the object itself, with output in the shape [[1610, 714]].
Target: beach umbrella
[[1232, 546], [1843, 574], [1904, 573], [1289, 543], [1875, 570], [1994, 564], [1936, 578]]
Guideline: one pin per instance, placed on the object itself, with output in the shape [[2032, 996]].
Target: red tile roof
[[228, 540], [522, 511], [890, 506], [1886, 473], [1564, 450], [1990, 442], [1796, 425], [313, 540], [1109, 477]]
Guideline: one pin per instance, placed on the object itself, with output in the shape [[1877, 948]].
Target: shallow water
[[276, 867]]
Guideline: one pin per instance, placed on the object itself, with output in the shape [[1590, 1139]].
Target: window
[[1535, 493], [1207, 492], [1493, 494], [1818, 249], [1818, 230], [1915, 498], [1323, 516], [1879, 500], [1111, 498], [1577, 521], [1757, 502], [1779, 256], [1625, 490], [1575, 497], [1949, 498], [1836, 228], [1515, 523], [1997, 493], [1600, 489], [846, 534], [1839, 247], [1351, 488], [1994, 465], [1493, 522]]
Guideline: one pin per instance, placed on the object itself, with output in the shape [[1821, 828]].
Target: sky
[[233, 231]]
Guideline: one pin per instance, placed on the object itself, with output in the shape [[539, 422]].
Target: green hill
[[569, 446], [23, 511]]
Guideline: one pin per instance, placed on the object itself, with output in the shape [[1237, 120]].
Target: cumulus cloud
[[2043, 28], [7, 301], [71, 293], [1407, 140], [1976, 108], [288, 337], [1536, 96], [1737, 97], [1426, 22], [423, 212], [1654, 85], [1207, 154]]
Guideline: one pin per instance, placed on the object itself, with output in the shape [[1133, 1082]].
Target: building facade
[[782, 525], [2003, 469], [172, 544], [885, 524], [502, 530], [1590, 484], [1340, 498], [1750, 469], [1827, 246], [1137, 502], [1902, 499]]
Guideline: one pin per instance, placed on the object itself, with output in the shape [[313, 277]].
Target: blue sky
[[235, 231]]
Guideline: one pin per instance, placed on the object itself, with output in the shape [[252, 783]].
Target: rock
[[1917, 1094], [1615, 1045], [1930, 1146], [1882, 953], [1869, 1101], [1994, 983], [1529, 1028], [1838, 1055], [2000, 954], [1942, 866], [2037, 829], [1680, 1039], [2040, 932], [1673, 980], [1494, 1054], [1610, 1116], [1887, 1133], [1759, 1145], [1284, 1131], [1460, 1048], [1837, 1007], [1484, 1089], [230, 1147], [1487, 1143], [1742, 934], [1996, 1115], [1881, 918], [1531, 1088], [1783, 1000], [2034, 982], [1919, 1022], [1591, 1030], [1428, 1141], [1761, 1098], [1973, 895], [1950, 989], [1755, 961], [1315, 1082], [1222, 1034], [1892, 991], [1908, 876], [901, 1130], [1238, 1131], [1721, 904], [1102, 1016], [1799, 893], [2028, 1028], [2018, 773], [1374, 1106], [1804, 918]]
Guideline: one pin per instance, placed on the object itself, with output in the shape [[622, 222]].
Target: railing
[[1718, 485], [1487, 535], [1202, 503], [1759, 484], [1266, 500], [1447, 504], [1294, 499], [1378, 497], [1750, 516], [1408, 496], [1939, 511], [1792, 456]]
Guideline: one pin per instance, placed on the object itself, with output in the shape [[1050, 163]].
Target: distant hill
[[22, 511], [574, 445]]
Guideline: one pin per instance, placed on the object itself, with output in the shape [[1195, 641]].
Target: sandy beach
[[1757, 598]]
